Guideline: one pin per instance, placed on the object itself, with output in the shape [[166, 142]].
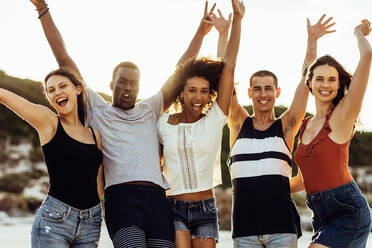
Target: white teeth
[[196, 104], [323, 92], [61, 99], [126, 95], [263, 102]]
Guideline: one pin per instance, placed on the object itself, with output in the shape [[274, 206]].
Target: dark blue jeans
[[341, 217]]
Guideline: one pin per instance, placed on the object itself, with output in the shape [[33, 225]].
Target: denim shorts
[[59, 225], [197, 217], [341, 217], [276, 240]]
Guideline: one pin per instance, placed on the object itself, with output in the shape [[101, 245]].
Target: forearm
[[194, 47], [55, 41], [311, 52], [233, 45], [296, 184], [222, 43], [365, 49]]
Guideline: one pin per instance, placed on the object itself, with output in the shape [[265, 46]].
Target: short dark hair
[[126, 64], [77, 81], [344, 76], [264, 73], [203, 67]]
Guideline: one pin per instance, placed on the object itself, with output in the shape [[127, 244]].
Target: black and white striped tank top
[[260, 168]]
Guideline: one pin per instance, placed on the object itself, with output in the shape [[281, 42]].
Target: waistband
[[89, 212], [135, 187], [325, 194], [191, 204]]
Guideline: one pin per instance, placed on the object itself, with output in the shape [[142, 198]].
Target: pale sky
[[155, 33]]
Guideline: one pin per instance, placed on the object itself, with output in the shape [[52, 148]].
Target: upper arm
[[169, 93], [236, 118], [38, 116], [292, 118], [225, 88]]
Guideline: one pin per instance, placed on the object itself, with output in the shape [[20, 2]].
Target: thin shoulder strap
[[94, 136]]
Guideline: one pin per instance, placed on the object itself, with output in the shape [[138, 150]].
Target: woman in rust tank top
[[341, 216]]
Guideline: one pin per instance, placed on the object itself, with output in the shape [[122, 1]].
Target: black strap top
[[73, 168]]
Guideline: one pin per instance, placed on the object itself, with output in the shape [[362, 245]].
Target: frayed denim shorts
[[59, 225], [197, 217], [341, 217]]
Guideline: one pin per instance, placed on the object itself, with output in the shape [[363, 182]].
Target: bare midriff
[[197, 196]]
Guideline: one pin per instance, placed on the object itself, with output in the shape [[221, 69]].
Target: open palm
[[319, 29]]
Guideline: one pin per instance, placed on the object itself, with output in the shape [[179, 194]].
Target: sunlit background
[[154, 34]]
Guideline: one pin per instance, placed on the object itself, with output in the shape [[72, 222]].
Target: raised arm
[[38, 116], [222, 25], [168, 89], [54, 38], [226, 84], [292, 118], [349, 107]]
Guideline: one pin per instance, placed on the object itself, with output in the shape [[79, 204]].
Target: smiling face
[[62, 94], [196, 96], [125, 87], [325, 83], [263, 93]]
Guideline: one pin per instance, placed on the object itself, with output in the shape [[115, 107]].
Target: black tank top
[[73, 168]]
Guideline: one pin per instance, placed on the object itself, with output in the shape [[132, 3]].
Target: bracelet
[[43, 13]]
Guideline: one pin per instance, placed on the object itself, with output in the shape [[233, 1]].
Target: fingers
[[230, 16], [206, 8], [327, 21], [308, 22], [220, 14], [214, 6], [330, 31], [330, 25], [321, 18], [208, 22]]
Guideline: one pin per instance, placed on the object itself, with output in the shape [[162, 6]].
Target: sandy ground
[[18, 235]]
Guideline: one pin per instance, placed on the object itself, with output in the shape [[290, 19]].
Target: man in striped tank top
[[264, 214]]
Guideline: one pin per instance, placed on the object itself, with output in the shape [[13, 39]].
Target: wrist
[[41, 6], [237, 19]]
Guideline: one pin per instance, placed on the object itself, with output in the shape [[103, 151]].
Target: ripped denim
[[197, 217], [59, 225]]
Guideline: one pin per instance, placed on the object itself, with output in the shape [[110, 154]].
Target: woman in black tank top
[[71, 213]]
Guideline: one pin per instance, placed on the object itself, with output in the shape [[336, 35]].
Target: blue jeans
[[341, 217], [59, 225], [197, 217], [277, 240]]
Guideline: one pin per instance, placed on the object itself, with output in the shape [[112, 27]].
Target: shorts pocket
[[53, 214], [211, 207], [345, 200]]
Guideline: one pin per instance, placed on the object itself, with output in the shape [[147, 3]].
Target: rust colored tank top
[[323, 163]]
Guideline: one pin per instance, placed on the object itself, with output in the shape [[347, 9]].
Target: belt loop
[[204, 208]]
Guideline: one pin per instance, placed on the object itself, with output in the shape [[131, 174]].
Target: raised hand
[[220, 23], [206, 23], [238, 8], [39, 3], [319, 29], [364, 28]]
